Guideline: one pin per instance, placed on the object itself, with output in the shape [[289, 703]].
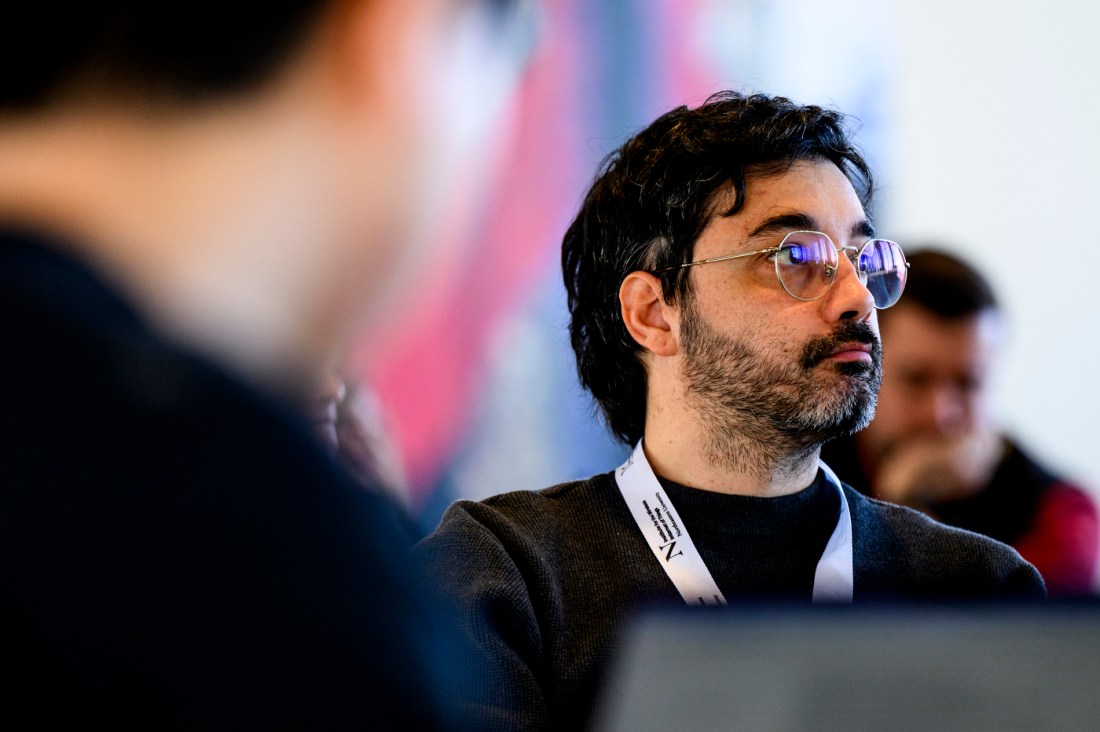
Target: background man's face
[[753, 356], [937, 376]]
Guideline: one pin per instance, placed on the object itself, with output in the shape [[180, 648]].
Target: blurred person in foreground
[[198, 208], [933, 445], [723, 277]]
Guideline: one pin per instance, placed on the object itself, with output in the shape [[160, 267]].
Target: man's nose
[[849, 298], [948, 412]]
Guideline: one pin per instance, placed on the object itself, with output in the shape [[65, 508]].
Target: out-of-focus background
[[978, 117]]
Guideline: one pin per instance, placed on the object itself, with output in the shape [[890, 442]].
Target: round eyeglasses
[[806, 264]]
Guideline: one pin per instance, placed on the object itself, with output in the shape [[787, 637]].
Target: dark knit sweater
[[545, 579], [760, 547]]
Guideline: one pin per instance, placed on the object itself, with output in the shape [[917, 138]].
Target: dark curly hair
[[652, 199]]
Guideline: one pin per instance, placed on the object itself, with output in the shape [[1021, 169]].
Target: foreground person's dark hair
[[175, 53]]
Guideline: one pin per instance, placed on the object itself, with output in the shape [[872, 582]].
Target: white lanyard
[[668, 538]]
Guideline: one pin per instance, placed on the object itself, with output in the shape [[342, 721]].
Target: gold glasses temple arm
[[723, 258]]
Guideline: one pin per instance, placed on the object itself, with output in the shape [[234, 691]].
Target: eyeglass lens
[[883, 263], [807, 265]]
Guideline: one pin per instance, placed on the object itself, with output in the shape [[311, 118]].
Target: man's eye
[[971, 384], [792, 255], [917, 379]]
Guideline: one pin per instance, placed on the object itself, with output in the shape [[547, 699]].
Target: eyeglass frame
[[772, 250]]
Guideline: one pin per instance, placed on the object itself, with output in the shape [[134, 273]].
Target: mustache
[[818, 349]]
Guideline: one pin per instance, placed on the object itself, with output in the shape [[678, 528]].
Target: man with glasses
[[723, 276]]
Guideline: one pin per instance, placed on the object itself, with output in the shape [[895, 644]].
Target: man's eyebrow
[[863, 229], [791, 221], [798, 221]]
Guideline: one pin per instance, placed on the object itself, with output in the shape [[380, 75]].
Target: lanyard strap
[[667, 536]]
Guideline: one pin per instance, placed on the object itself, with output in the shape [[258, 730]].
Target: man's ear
[[646, 315]]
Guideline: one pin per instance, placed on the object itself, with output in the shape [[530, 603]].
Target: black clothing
[[175, 549], [760, 547], [546, 579]]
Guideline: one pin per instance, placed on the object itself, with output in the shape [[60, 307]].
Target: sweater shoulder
[[913, 525], [537, 513], [902, 551], [527, 528]]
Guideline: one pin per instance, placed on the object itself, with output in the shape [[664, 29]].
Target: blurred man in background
[[198, 209], [932, 444]]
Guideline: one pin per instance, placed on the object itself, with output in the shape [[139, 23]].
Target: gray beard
[[763, 417]]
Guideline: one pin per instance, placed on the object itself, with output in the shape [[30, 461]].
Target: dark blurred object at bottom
[[905, 668]]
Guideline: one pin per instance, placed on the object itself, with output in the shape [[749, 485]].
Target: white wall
[[996, 150]]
